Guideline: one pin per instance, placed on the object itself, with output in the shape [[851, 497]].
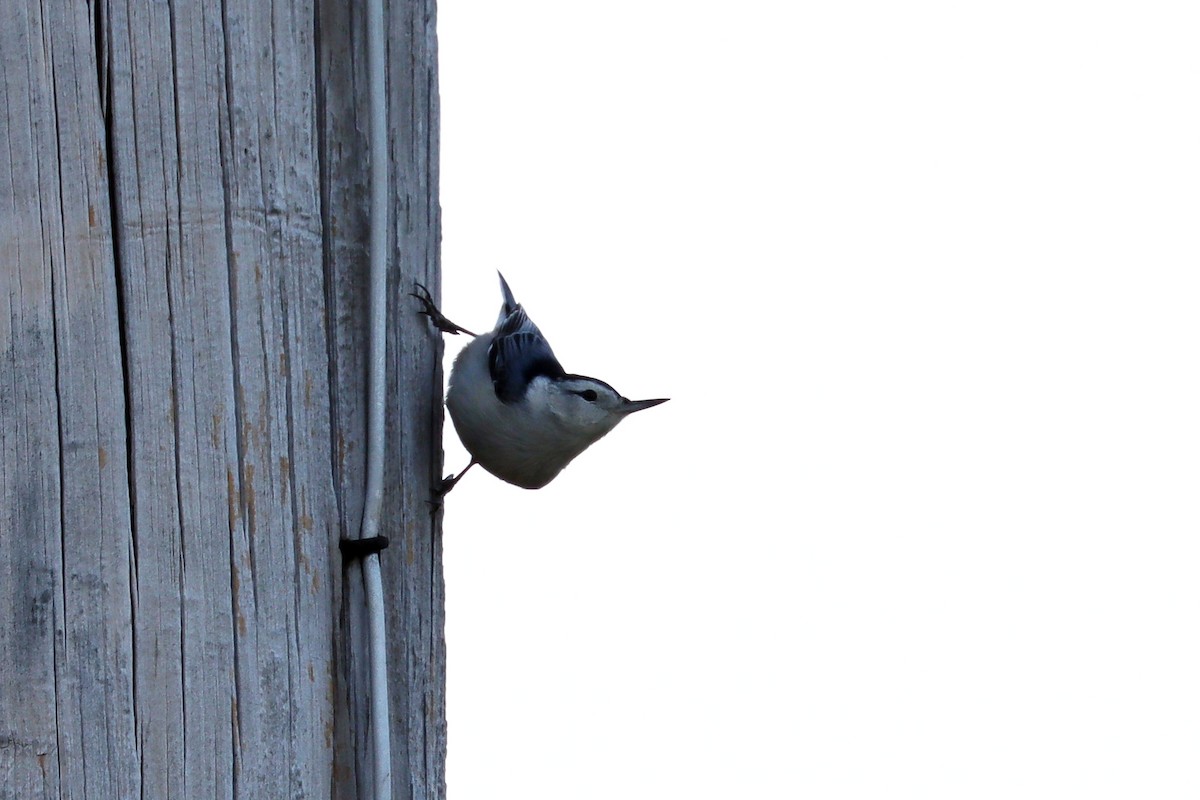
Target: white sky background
[[921, 518]]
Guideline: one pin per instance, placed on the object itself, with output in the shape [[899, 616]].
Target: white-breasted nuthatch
[[521, 416]]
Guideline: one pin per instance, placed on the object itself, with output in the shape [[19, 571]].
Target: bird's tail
[[510, 302]]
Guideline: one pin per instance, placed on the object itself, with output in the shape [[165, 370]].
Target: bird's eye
[[588, 394]]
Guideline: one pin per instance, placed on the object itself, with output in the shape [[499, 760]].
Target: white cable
[[377, 405]]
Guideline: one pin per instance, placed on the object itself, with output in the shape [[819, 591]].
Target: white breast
[[522, 443]]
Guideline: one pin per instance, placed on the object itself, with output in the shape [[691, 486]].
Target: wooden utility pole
[[183, 310]]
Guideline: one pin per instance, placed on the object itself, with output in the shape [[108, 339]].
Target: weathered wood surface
[[183, 232]]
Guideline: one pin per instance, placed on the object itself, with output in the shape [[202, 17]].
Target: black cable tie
[[361, 548]]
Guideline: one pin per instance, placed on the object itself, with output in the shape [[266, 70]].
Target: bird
[[521, 416]]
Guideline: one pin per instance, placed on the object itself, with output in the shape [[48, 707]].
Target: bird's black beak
[[631, 406]]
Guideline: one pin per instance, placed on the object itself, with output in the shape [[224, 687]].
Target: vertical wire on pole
[[377, 389]]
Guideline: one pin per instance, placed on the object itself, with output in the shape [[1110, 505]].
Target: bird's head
[[589, 406]]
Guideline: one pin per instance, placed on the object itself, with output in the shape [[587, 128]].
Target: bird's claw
[[444, 486], [435, 316], [440, 490], [447, 483]]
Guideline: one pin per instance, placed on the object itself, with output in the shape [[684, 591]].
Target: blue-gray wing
[[517, 355]]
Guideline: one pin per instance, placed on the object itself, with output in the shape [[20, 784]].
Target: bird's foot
[[450, 481], [435, 316], [443, 487]]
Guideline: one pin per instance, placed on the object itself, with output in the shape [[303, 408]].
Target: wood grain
[[181, 396]]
